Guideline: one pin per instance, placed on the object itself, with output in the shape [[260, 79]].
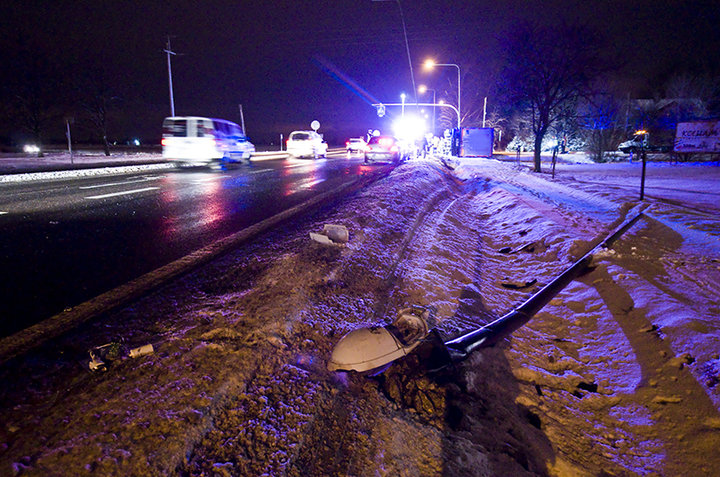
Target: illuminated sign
[[698, 136]]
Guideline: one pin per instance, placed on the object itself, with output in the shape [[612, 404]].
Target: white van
[[306, 144], [197, 141]]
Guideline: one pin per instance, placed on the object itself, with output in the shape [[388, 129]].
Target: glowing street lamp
[[430, 64]]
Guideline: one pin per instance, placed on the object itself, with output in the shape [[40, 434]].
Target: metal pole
[[642, 178], [433, 128], [459, 115], [172, 101], [433, 64], [67, 122], [242, 120], [484, 110], [503, 326]]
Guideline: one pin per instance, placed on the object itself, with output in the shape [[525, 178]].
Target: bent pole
[[459, 348]]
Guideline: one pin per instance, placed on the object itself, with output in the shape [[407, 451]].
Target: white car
[[306, 144], [355, 144], [198, 141]]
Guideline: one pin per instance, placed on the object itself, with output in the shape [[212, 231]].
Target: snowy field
[[618, 375]]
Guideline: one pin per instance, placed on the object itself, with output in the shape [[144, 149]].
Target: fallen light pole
[[493, 332], [373, 349]]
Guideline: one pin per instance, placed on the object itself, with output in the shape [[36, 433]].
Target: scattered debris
[[666, 399], [528, 247], [332, 235], [141, 351], [114, 351], [519, 285]]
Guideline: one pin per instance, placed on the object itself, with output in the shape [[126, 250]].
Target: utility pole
[[169, 52], [67, 123], [242, 120]]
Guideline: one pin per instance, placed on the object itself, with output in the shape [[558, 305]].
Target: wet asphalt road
[[64, 242]]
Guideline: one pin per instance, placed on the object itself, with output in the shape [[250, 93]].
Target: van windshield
[[300, 137], [175, 128]]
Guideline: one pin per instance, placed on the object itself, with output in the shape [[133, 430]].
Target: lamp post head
[[422, 89], [402, 96], [429, 64]]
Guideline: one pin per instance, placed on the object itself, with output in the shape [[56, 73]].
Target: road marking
[[110, 184], [135, 191]]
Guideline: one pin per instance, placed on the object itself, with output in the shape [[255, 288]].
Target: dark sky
[[268, 55]]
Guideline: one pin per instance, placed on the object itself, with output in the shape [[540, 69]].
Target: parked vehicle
[[198, 141], [355, 144], [306, 144], [641, 142], [382, 148]]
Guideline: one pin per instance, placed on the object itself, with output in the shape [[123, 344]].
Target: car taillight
[[347, 143], [163, 141]]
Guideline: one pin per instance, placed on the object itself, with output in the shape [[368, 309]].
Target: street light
[[422, 89], [430, 64], [407, 45]]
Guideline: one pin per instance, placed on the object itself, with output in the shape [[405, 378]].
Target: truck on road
[[641, 141]]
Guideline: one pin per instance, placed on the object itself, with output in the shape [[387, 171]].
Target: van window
[[300, 137], [204, 129], [175, 128]]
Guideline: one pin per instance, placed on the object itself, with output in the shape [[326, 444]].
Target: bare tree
[[598, 118], [549, 69], [97, 100], [32, 89]]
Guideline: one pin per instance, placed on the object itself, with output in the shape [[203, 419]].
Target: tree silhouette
[[549, 68]]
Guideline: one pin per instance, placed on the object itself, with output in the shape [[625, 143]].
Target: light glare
[[409, 128]]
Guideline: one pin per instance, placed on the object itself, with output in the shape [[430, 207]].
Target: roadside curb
[[29, 338], [87, 171]]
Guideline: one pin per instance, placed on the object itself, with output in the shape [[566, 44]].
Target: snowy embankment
[[617, 375]]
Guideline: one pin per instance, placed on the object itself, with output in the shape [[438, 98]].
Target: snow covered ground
[[618, 375]]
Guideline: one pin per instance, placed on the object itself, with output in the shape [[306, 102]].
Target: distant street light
[[422, 89], [407, 45], [430, 64]]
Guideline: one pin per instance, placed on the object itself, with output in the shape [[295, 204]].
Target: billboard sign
[[698, 136]]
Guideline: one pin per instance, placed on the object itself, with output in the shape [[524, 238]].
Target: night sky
[[283, 60]]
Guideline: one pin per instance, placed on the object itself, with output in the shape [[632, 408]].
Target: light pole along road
[[430, 64]]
